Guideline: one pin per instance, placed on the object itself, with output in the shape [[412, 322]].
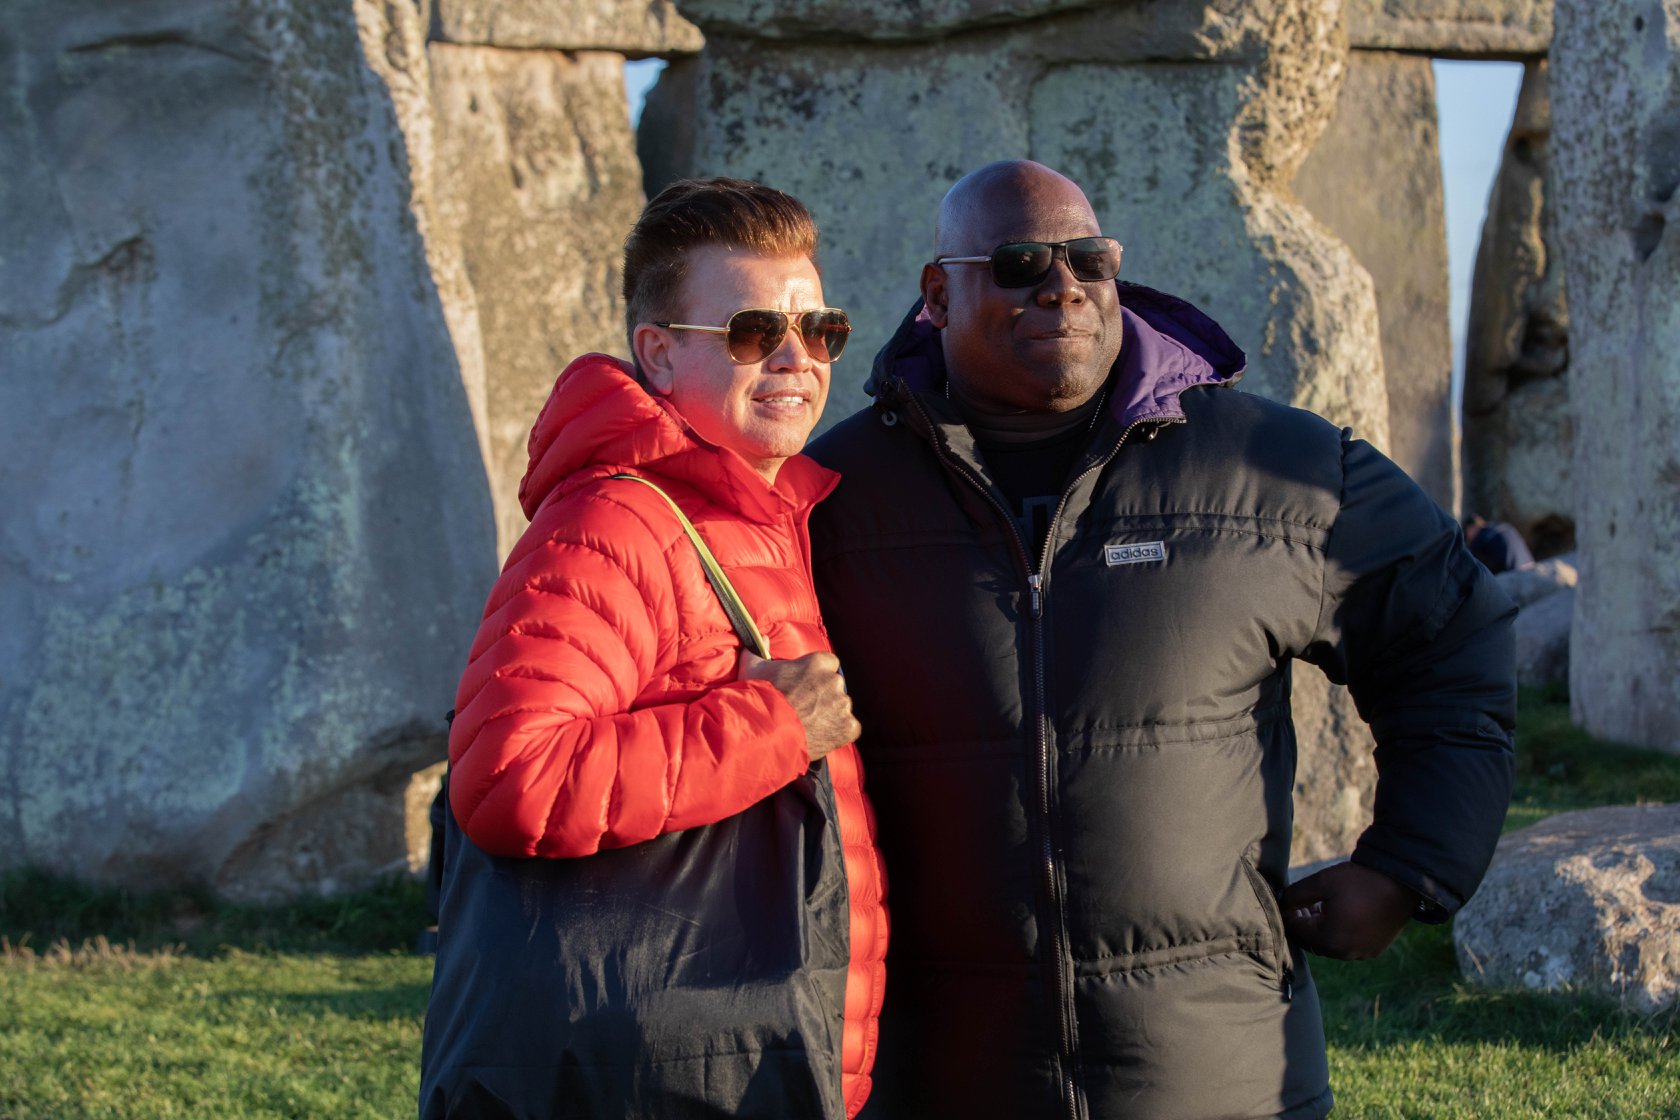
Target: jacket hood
[[1167, 346], [600, 421]]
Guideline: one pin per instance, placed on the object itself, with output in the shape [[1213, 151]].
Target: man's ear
[[934, 295], [652, 347]]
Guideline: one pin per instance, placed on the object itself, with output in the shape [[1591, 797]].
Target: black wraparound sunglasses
[[753, 334], [1021, 264]]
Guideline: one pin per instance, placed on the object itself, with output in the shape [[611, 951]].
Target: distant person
[[1497, 544], [1069, 568], [662, 896]]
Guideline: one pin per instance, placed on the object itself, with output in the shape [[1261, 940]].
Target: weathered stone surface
[[914, 19], [1517, 421], [244, 528], [1545, 597], [1542, 635], [1191, 175], [1588, 901], [1616, 162], [537, 181], [1336, 771], [633, 27], [1453, 28], [1533, 582], [1374, 178]]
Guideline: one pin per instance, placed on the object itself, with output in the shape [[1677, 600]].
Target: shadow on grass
[[37, 909]]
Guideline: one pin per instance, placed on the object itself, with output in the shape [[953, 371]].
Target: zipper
[[1064, 959], [1067, 1026]]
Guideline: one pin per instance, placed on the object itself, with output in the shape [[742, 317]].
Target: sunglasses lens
[[1022, 263], [754, 334], [825, 332], [1094, 258]]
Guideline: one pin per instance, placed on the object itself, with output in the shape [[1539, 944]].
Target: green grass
[[239, 1035], [1408, 1038], [315, 1009], [203, 1009], [1560, 767]]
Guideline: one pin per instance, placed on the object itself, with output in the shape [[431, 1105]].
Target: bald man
[[1068, 567]]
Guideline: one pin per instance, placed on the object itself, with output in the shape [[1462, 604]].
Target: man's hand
[[1347, 911], [813, 685]]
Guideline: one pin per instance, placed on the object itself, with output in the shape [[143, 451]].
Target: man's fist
[[813, 685], [1347, 911]]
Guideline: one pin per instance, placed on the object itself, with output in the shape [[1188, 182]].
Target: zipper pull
[[1035, 583], [1288, 984]]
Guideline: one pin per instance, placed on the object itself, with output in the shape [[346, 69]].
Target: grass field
[[315, 1010]]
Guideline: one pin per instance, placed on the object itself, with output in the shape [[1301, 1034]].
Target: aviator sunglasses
[[756, 333], [1021, 264]]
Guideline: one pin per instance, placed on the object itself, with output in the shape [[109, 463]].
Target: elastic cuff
[[1434, 902]]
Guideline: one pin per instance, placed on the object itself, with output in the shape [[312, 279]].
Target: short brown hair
[[694, 212]]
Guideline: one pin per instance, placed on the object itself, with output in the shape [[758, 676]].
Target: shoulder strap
[[737, 611]]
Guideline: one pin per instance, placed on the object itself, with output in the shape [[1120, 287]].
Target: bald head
[[1046, 346], [999, 196]]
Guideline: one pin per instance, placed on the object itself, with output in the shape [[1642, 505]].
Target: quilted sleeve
[[1421, 635], [549, 754]]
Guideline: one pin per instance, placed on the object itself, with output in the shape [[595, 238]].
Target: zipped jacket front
[[1082, 759]]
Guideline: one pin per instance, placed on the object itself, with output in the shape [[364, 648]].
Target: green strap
[[737, 611]]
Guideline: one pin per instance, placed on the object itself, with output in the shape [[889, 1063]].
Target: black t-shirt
[[1032, 476]]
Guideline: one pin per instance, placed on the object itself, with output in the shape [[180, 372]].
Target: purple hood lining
[[1168, 346]]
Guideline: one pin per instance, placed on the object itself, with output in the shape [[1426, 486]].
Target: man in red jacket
[[656, 903]]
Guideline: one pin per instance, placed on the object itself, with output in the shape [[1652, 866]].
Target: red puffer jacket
[[599, 706]]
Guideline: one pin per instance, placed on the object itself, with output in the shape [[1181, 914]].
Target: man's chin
[[1064, 385]]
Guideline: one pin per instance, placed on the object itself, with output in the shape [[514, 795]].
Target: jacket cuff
[[1435, 903]]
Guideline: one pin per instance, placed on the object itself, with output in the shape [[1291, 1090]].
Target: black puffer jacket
[[1082, 761]]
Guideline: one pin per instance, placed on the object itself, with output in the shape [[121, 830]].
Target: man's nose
[[1060, 285], [791, 356]]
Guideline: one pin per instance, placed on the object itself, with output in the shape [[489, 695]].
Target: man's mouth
[[785, 399], [1060, 328]]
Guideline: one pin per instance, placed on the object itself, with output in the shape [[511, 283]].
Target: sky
[[1476, 101]]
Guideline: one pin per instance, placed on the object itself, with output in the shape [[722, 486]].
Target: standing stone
[[1222, 101], [1616, 101], [537, 180], [244, 526], [1374, 178], [1545, 597], [1185, 125], [665, 134], [1517, 425], [1335, 768], [537, 183]]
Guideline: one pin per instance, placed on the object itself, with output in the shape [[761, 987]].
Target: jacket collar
[[1168, 346], [600, 421]]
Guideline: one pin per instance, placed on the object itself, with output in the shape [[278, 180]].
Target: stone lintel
[[636, 28], [1492, 30]]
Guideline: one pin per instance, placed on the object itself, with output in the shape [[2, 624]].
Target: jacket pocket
[[1278, 941]]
